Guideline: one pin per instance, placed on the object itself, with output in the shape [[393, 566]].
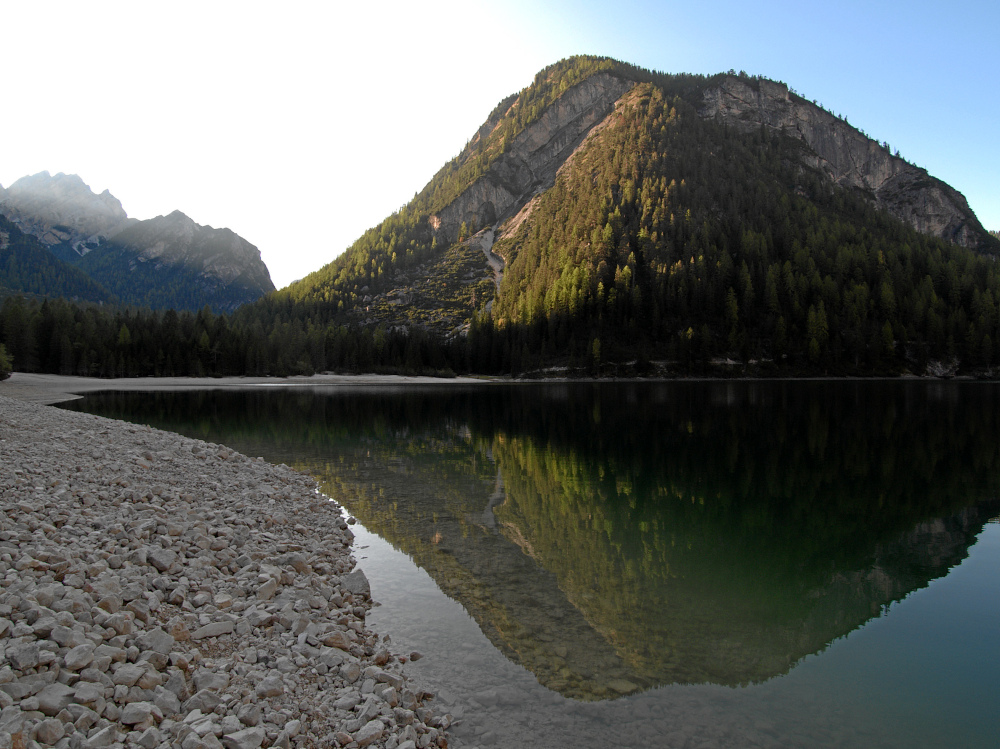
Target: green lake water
[[689, 564]]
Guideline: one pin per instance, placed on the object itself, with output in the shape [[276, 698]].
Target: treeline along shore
[[162, 592]]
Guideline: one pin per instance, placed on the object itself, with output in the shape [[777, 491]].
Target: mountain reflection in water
[[613, 538]]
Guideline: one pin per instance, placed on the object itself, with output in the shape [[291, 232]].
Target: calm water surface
[[680, 564]]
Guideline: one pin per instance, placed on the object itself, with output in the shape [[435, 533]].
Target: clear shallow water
[[922, 676], [688, 564]]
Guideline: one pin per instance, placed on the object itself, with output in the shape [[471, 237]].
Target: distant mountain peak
[[140, 260], [62, 211]]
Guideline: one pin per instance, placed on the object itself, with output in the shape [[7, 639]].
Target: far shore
[[46, 389]]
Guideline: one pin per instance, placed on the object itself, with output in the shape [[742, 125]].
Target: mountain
[[170, 261], [28, 268], [849, 158], [62, 212], [165, 262], [604, 220], [607, 213]]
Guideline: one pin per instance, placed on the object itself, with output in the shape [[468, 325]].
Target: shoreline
[[48, 389], [160, 591]]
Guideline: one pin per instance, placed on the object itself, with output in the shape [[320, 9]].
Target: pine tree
[[6, 365]]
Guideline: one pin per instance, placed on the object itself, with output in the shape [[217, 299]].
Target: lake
[[683, 564]]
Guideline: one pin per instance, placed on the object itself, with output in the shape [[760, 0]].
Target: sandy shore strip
[[49, 388], [162, 592]]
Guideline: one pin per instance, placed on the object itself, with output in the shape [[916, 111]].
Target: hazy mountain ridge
[[199, 264], [176, 238], [62, 212], [167, 261]]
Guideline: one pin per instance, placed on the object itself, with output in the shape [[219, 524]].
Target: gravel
[[158, 591]]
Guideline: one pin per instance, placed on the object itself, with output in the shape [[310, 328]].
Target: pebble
[[161, 592]]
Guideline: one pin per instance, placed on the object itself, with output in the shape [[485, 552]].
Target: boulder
[[215, 629], [162, 559], [356, 583], [248, 738], [54, 698]]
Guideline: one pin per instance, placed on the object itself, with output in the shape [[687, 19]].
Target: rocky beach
[[158, 591]]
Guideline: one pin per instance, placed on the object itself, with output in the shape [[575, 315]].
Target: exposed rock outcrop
[[532, 159], [845, 155], [848, 157], [62, 211]]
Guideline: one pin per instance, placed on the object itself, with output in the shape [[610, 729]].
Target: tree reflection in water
[[616, 537]]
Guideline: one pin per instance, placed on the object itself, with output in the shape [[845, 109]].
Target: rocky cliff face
[[62, 211], [848, 157], [531, 161], [177, 240], [844, 154]]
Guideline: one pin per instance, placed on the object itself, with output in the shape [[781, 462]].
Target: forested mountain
[[631, 215], [28, 267], [165, 262], [604, 220], [172, 262]]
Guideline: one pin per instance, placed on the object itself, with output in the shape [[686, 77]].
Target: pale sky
[[300, 125]]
